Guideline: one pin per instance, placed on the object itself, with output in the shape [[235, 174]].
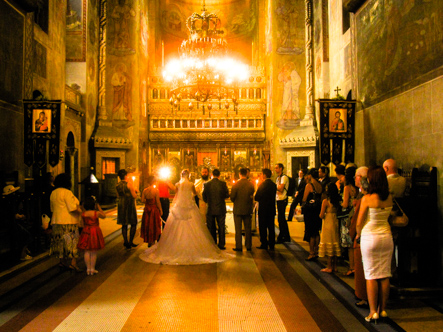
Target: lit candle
[[163, 53], [252, 59]]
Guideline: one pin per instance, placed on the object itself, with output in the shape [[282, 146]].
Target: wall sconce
[[62, 155]]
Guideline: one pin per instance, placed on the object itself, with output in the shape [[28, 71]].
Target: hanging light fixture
[[204, 74]]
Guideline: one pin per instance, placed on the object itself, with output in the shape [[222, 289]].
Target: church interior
[[89, 87]]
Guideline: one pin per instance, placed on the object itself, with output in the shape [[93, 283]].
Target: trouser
[[246, 219], [164, 202], [266, 226], [282, 223], [292, 208], [220, 219]]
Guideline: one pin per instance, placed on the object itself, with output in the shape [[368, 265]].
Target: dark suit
[[265, 196], [241, 194], [301, 184], [215, 193]]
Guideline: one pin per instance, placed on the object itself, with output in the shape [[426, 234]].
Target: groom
[[214, 195]]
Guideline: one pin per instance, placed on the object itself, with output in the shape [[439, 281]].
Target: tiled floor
[[253, 291]]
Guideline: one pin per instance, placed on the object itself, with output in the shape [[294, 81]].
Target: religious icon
[[337, 120], [41, 120]]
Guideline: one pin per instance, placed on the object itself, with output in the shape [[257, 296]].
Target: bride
[[185, 239]]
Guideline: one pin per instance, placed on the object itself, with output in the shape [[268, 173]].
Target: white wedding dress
[[185, 239]]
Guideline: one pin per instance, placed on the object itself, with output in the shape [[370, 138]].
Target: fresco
[[290, 28], [121, 21], [290, 109], [289, 63], [408, 34], [122, 88], [75, 31]]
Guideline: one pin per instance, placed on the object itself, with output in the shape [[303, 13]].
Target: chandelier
[[204, 75]]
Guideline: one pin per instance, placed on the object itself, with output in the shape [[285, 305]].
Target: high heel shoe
[[372, 319], [383, 314]]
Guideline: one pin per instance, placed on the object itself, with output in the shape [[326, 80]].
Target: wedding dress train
[[185, 239]]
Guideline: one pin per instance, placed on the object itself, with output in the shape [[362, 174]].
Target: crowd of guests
[[343, 217], [352, 220]]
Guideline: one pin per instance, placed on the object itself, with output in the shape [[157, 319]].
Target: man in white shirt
[[282, 182], [397, 183]]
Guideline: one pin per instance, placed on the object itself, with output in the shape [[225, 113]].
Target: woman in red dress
[[91, 239], [151, 221]]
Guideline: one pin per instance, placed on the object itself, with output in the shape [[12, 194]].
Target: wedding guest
[[282, 182], [91, 239], [151, 227], [324, 179], [215, 193], [163, 189], [241, 195], [350, 192], [397, 183], [265, 196], [376, 241], [126, 210], [329, 239], [361, 181], [66, 211], [199, 187], [299, 191], [14, 216], [312, 215]]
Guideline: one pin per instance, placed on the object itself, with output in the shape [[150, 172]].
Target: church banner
[[41, 124], [337, 131]]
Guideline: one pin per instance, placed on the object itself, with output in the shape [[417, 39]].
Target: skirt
[[376, 251], [64, 241]]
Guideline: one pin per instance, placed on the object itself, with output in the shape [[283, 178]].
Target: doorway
[[298, 163]]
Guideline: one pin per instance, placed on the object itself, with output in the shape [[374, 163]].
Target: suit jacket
[[214, 194], [265, 196], [301, 190], [241, 194]]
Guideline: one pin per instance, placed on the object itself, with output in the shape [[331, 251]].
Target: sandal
[[326, 270], [349, 273]]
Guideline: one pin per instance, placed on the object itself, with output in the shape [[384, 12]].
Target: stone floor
[[254, 291]]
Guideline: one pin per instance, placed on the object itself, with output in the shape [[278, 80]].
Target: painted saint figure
[[290, 106], [41, 124], [121, 82], [337, 124]]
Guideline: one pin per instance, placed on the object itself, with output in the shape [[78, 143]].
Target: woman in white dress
[[376, 241], [185, 239]]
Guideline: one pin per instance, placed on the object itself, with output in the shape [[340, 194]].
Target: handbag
[[312, 204], [396, 219]]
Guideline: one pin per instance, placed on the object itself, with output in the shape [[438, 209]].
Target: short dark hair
[[89, 203], [244, 171], [216, 172], [122, 173], [267, 172], [325, 169], [313, 172], [150, 180], [280, 165], [378, 182], [340, 170], [63, 180]]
